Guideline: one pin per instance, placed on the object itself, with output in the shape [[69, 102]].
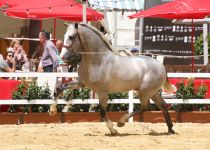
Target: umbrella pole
[[192, 46], [40, 25], [84, 11], [54, 35]]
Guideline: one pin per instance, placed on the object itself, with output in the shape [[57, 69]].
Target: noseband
[[73, 38]]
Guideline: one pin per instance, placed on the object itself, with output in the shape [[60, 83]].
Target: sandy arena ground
[[95, 136]]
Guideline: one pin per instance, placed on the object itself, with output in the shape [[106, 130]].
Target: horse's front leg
[[58, 90], [103, 97]]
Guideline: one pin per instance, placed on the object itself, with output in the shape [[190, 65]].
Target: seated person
[[19, 53], [8, 65], [20, 57]]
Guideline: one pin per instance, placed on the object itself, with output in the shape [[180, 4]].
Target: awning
[[117, 5]]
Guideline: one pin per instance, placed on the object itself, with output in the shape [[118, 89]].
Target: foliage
[[19, 93], [83, 93], [117, 107], [199, 45], [188, 91], [31, 91], [117, 96], [73, 59]]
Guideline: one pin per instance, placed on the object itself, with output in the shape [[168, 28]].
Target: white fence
[[129, 101]]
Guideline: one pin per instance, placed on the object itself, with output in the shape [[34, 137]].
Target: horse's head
[[70, 45], [70, 37], [84, 38]]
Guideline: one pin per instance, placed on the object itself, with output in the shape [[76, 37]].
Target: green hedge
[[29, 91]]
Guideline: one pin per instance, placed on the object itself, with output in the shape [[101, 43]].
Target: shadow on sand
[[151, 133]]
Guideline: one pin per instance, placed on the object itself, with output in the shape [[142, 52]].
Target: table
[[6, 89], [197, 82]]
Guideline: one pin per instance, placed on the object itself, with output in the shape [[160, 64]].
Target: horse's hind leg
[[103, 97], [158, 100], [144, 107], [58, 91]]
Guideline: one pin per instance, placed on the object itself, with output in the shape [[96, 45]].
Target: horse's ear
[[66, 24], [76, 25]]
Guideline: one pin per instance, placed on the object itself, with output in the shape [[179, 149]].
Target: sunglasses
[[11, 56]]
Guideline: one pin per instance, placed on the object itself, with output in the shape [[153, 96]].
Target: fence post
[[130, 106]]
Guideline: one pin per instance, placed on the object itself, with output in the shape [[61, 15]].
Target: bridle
[[72, 38]]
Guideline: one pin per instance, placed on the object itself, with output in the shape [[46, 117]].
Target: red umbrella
[[179, 9], [37, 9], [10, 3], [64, 9]]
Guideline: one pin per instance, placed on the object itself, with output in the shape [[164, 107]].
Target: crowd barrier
[[131, 101]]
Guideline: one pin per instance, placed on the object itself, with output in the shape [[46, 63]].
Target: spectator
[[19, 53], [49, 59], [8, 65], [59, 46]]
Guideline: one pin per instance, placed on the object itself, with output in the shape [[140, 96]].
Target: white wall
[[9, 26], [122, 28], [48, 24]]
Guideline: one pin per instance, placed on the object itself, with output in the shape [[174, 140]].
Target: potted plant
[[191, 112], [33, 113]]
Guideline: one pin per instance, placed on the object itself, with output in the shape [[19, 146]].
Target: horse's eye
[[71, 38]]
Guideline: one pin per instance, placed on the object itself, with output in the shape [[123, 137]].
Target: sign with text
[[161, 36]]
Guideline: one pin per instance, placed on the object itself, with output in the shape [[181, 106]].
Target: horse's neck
[[93, 50], [95, 59]]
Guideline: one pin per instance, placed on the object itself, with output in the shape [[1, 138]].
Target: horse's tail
[[168, 87]]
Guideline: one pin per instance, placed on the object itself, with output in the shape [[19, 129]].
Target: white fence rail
[[129, 101], [96, 101], [74, 74]]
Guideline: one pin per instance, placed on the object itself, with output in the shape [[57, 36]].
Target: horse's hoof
[[53, 110], [114, 132], [171, 132], [120, 124]]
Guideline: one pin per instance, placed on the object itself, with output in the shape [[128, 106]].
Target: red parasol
[[179, 9], [64, 9]]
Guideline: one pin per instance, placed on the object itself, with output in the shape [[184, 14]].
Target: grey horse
[[104, 71]]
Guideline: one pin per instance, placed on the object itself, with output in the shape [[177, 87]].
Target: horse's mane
[[101, 35]]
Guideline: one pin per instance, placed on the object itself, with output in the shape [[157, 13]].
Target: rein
[[91, 53]]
